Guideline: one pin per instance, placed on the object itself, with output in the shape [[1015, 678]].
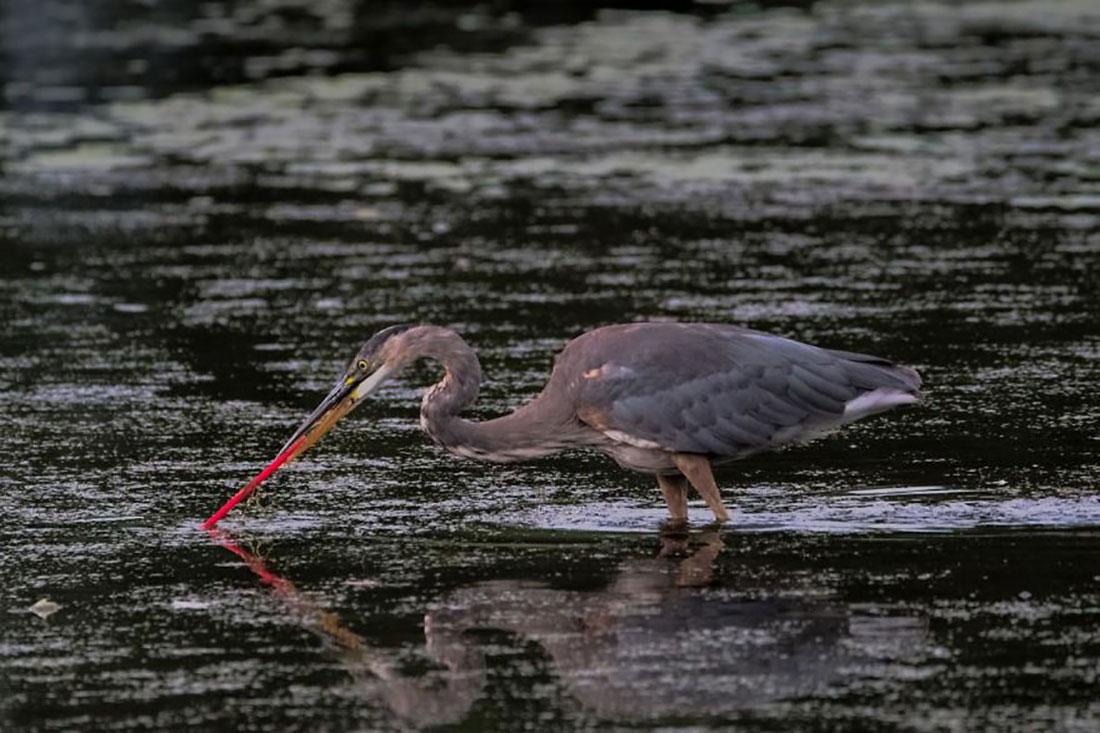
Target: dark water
[[205, 208]]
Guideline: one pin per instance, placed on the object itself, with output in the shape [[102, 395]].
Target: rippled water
[[204, 211]]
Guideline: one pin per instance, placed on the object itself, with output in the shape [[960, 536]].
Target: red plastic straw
[[251, 486]]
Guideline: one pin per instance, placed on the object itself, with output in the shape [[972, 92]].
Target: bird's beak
[[344, 397], [348, 393]]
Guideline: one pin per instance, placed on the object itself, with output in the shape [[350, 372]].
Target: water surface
[[204, 212]]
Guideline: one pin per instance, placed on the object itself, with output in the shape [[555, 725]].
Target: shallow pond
[[203, 212]]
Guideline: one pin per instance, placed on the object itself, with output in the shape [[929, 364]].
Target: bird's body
[[668, 399]]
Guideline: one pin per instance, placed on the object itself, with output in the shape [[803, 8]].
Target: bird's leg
[[675, 490], [697, 470]]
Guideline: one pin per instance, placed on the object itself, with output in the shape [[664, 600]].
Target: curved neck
[[537, 428]]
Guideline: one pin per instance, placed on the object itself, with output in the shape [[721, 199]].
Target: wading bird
[[667, 399]]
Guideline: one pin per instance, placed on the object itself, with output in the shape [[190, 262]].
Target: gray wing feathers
[[720, 390], [871, 372]]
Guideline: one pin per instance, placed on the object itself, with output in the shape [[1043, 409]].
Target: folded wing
[[725, 391]]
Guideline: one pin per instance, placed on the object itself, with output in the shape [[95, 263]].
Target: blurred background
[[206, 207]]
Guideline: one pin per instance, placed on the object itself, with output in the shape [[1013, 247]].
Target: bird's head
[[384, 354]]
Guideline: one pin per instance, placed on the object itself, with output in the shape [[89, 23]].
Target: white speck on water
[[105, 520], [909, 490], [72, 299], [131, 307], [363, 583]]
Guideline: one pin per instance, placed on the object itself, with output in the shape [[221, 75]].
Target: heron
[[662, 398]]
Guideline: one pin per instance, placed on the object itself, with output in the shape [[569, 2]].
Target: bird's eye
[[362, 365]]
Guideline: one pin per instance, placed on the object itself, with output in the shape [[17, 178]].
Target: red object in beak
[[251, 486]]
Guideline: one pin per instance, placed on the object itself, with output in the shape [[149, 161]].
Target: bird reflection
[[441, 695], [655, 643]]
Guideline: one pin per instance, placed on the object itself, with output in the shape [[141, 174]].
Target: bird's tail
[[882, 384]]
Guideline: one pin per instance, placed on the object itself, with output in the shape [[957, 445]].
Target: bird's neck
[[461, 374], [528, 432]]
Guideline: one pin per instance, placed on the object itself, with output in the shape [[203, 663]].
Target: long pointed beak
[[334, 406], [344, 397]]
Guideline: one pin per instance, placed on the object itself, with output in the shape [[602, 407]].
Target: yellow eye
[[362, 365]]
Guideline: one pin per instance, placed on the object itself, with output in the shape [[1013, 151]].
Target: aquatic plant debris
[[44, 608], [252, 485]]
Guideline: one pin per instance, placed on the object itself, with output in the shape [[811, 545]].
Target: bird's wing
[[725, 391]]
